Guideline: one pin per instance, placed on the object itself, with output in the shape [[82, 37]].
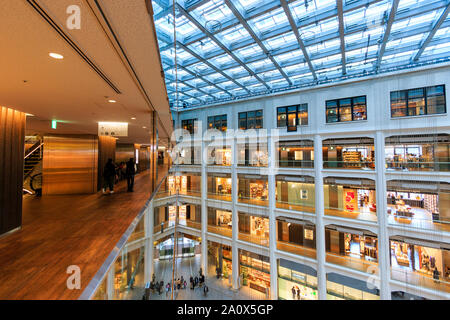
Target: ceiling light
[[56, 55], [112, 101], [133, 118], [144, 127]]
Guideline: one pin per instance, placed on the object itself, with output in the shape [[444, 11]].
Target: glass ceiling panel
[[209, 67]]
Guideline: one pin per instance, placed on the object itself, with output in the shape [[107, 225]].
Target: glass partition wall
[[219, 186], [253, 189], [352, 153], [296, 154], [295, 193]]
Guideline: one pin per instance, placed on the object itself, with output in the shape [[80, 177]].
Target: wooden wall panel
[[124, 151], [106, 150], [70, 164], [12, 144]]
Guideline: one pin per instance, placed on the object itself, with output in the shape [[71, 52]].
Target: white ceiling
[[70, 90]]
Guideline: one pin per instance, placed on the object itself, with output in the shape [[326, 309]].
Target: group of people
[[111, 172], [296, 293]]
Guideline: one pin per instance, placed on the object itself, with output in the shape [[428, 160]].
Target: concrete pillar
[[383, 236], [235, 217], [320, 226], [204, 258], [272, 220]]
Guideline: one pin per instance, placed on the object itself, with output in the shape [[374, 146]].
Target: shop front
[[255, 272], [253, 189], [220, 221], [187, 184], [193, 216], [349, 153], [219, 155], [341, 287], [422, 205], [296, 236], [295, 193], [220, 263], [418, 153], [253, 154], [219, 186], [296, 154], [426, 260], [296, 281], [253, 228], [350, 198], [357, 249]]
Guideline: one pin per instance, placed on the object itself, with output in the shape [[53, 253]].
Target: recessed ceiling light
[[144, 127], [112, 101], [56, 55], [133, 118], [29, 115]]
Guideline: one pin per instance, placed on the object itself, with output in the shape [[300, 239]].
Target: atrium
[[225, 150]]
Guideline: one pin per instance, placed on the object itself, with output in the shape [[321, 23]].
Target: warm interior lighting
[[112, 101], [56, 55], [144, 127], [29, 115], [133, 118]]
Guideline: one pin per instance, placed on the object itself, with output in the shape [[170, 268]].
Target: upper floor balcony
[[253, 228], [220, 222], [296, 154], [418, 153], [297, 237], [349, 153], [253, 189], [219, 186], [352, 248], [420, 263], [350, 198], [419, 205], [252, 154], [295, 193]]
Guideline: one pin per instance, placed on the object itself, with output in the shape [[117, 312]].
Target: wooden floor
[[59, 231]]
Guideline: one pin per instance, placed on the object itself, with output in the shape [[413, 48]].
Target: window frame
[[219, 122], [298, 108], [425, 96], [255, 119], [188, 122], [338, 108]]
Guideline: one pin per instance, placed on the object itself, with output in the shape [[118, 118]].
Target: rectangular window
[[189, 125], [292, 116], [250, 120], [218, 122], [347, 109], [418, 102]]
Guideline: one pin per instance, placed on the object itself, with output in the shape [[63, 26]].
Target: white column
[[149, 248], [204, 258], [320, 226], [381, 201], [272, 221], [235, 222]]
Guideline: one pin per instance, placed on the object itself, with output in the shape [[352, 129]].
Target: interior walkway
[[60, 231]]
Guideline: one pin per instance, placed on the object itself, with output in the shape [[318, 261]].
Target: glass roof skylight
[[230, 49]]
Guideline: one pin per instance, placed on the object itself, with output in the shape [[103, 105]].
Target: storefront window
[[253, 190], [219, 187], [349, 153], [345, 288], [194, 216], [417, 102], [253, 154], [348, 109], [418, 153], [297, 154], [296, 237], [219, 263], [218, 122], [350, 198], [189, 125], [421, 265], [296, 284], [220, 221], [255, 272], [185, 184], [295, 195], [219, 155], [254, 229]]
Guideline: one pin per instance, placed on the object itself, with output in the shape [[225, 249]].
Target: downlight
[[56, 56]]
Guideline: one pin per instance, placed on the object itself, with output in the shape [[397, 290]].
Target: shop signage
[[113, 129]]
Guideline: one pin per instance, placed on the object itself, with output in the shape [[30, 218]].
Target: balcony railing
[[193, 224], [296, 249], [417, 166], [370, 267], [219, 196], [260, 240], [307, 164], [419, 223], [350, 165], [420, 280], [224, 231], [295, 206], [254, 201]]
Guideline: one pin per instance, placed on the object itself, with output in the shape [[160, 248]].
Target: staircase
[[32, 172]]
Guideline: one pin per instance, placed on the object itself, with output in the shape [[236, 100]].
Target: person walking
[[205, 290], [130, 172], [109, 174]]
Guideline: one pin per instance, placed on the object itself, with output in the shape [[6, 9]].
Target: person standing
[[130, 172], [109, 173]]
